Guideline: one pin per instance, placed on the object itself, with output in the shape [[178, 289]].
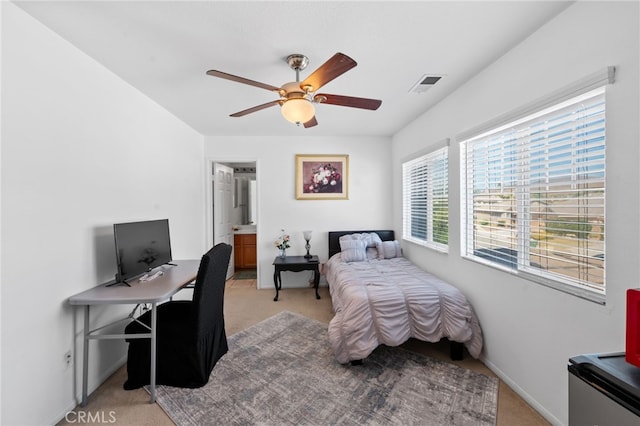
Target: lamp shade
[[298, 110], [307, 235]]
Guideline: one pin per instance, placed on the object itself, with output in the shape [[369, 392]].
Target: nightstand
[[295, 264]]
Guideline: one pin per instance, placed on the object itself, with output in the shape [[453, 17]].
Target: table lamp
[[307, 238]]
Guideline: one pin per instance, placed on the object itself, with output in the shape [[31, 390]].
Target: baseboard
[[524, 395]]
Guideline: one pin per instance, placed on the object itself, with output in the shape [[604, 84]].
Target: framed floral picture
[[322, 177]]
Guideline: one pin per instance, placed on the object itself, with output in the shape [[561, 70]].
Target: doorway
[[233, 213]]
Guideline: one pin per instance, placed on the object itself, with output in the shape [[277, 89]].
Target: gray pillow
[[389, 249], [353, 250]]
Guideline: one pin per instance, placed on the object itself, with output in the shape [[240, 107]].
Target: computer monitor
[[140, 247]]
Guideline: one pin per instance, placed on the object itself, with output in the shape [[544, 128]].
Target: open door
[[222, 191]]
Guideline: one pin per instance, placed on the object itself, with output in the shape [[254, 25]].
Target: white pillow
[[372, 253], [375, 241], [389, 249], [371, 241], [353, 250]]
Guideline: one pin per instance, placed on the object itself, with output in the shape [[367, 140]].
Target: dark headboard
[[334, 238]]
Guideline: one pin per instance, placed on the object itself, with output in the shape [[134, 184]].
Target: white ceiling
[[164, 48]]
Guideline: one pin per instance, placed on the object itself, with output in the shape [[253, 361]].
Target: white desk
[[152, 292]]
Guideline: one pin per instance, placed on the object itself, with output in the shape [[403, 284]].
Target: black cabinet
[[604, 390]]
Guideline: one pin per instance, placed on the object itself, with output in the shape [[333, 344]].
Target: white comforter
[[388, 301]]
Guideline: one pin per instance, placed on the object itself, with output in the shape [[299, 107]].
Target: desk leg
[[316, 281], [152, 374], [277, 282], [85, 357]]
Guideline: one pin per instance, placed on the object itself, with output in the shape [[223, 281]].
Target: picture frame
[[322, 177]]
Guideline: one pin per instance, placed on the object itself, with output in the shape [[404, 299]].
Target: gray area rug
[[282, 372]]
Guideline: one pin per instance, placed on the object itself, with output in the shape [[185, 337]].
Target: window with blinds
[[533, 196], [425, 189]]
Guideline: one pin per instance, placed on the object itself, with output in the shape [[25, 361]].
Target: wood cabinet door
[[237, 256], [250, 257], [245, 255]]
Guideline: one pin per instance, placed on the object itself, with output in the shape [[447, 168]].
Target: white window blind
[[425, 189], [533, 196]]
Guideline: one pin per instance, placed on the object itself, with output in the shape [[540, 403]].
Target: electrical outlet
[[67, 359]]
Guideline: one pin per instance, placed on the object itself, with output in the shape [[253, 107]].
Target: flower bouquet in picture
[[324, 178], [282, 243]]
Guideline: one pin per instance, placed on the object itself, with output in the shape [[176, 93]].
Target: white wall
[[530, 330], [81, 150], [367, 207]]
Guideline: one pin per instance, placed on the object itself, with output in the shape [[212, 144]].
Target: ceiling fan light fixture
[[298, 110]]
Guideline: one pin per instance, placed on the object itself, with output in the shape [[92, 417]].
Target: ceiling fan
[[297, 98]]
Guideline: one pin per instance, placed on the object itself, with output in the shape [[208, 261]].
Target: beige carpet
[[245, 306]]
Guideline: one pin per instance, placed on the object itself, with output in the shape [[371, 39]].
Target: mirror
[[245, 199], [244, 211]]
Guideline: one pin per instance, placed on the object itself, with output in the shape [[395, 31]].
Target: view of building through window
[[566, 230], [534, 194]]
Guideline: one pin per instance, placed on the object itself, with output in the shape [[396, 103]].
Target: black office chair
[[190, 334]]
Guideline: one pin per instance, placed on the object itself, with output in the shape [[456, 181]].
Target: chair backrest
[[208, 294]]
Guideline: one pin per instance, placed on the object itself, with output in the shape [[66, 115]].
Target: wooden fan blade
[[255, 108], [348, 101], [311, 123], [337, 65], [215, 73]]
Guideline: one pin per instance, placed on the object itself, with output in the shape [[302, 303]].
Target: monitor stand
[[117, 281]]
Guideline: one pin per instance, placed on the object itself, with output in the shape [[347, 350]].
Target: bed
[[380, 297]]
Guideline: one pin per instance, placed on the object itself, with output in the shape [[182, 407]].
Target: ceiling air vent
[[425, 83]]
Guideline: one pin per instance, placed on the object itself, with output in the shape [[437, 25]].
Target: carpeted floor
[[245, 306], [282, 371]]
